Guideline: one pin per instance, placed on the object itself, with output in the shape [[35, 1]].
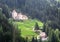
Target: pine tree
[[50, 35], [5, 10], [53, 36], [57, 35], [40, 40], [36, 26], [36, 39], [26, 39], [33, 39], [44, 27]]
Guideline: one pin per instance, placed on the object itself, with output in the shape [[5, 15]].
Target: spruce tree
[[36, 26], [49, 35], [26, 39], [33, 39], [44, 27], [36, 39], [57, 35], [53, 36]]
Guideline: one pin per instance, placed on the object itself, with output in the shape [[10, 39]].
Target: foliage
[[47, 11], [8, 31], [27, 27], [53, 37], [41, 9], [36, 26], [33, 39]]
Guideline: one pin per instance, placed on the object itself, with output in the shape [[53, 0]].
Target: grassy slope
[[27, 27]]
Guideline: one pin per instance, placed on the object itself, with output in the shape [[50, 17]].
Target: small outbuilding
[[42, 36]]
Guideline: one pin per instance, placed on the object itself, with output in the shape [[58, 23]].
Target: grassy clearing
[[27, 27]]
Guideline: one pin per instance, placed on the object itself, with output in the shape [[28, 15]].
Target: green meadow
[[27, 27]]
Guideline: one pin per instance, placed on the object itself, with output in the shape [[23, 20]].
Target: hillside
[[27, 26], [44, 10], [29, 20]]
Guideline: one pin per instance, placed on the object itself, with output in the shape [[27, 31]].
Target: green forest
[[29, 20]]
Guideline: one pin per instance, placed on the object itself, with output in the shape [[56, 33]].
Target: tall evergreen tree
[[26, 39], [44, 27], [6, 10], [33, 39], [36, 39], [36, 26]]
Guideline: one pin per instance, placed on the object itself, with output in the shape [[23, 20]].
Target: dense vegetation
[[27, 27], [8, 30], [47, 11], [44, 10]]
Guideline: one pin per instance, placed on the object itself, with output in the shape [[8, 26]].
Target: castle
[[18, 16]]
